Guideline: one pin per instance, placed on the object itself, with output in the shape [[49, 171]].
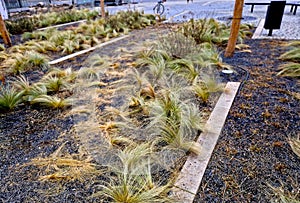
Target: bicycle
[[159, 8]]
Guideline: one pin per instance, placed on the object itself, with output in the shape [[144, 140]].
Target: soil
[[252, 151]]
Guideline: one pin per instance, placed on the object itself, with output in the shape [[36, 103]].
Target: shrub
[[22, 25], [19, 62], [132, 182], [206, 86], [292, 68], [16, 63], [9, 98], [210, 30], [178, 45], [36, 60], [54, 84]]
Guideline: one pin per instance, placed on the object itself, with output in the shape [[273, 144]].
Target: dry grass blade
[[2, 47], [21, 83], [243, 48], [129, 188], [67, 74], [292, 55], [294, 43], [283, 196], [133, 190], [148, 92], [290, 70], [65, 167], [99, 62], [132, 181], [52, 101], [112, 135], [295, 144], [296, 95]]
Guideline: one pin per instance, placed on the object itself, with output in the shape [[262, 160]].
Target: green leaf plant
[[19, 62], [292, 67], [52, 101], [207, 85], [9, 98], [55, 84]]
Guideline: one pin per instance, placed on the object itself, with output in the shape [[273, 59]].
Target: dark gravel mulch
[[251, 153]]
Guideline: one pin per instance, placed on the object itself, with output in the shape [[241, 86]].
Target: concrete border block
[[259, 29], [189, 179], [86, 50]]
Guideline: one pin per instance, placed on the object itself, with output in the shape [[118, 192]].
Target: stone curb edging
[[259, 29], [61, 25], [190, 177], [86, 50]]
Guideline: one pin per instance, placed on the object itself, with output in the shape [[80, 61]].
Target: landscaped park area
[[139, 108]]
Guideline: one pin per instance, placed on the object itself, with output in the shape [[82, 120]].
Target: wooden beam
[[102, 8], [235, 27], [4, 32]]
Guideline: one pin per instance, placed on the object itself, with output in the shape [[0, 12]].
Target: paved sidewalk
[[290, 26], [180, 10]]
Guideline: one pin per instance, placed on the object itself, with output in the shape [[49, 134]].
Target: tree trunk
[[235, 27], [102, 8], [4, 32]]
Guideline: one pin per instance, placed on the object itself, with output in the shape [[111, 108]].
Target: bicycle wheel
[[159, 9]]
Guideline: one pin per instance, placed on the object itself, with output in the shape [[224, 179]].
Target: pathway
[[180, 10]]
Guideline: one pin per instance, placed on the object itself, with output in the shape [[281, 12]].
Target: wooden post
[[4, 32], [235, 27], [102, 8]]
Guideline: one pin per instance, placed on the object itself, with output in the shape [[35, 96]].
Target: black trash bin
[[274, 16]]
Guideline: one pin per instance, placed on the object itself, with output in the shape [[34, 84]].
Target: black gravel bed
[[252, 154]]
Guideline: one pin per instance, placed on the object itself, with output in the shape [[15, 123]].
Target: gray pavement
[[180, 10]]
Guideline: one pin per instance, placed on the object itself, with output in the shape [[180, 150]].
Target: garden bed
[[33, 138]]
